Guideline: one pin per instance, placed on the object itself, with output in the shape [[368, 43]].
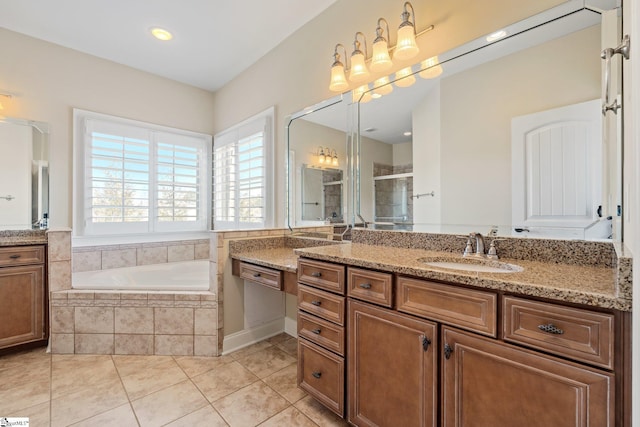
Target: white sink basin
[[472, 264]]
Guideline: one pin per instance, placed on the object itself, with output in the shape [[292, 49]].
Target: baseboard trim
[[246, 337], [291, 327]]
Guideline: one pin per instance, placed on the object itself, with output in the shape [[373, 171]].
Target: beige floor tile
[[24, 395], [285, 382], [224, 380], [70, 373], [318, 413], [87, 402], [127, 365], [250, 349], [206, 416], [265, 362], [169, 404], [35, 370], [278, 338], [120, 416], [289, 346], [289, 417], [251, 405], [153, 378], [39, 415], [24, 358], [193, 366]]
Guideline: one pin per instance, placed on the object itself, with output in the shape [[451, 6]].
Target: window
[[134, 177], [243, 174]]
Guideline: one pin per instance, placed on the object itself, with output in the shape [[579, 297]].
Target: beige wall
[[372, 152], [402, 154], [49, 81], [295, 74]]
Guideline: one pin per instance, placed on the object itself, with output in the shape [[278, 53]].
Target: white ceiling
[[214, 40]]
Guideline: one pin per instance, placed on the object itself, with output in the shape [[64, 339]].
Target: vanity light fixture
[[359, 71], [338, 79], [321, 156], [4, 95], [406, 47], [380, 59], [161, 34], [405, 77], [382, 86], [334, 158], [431, 68]]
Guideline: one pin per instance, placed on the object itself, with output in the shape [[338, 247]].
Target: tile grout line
[[135, 415]]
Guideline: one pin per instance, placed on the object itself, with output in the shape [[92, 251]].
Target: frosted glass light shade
[[382, 86], [380, 61], [431, 68], [406, 48], [338, 81], [359, 71], [361, 94], [405, 77]]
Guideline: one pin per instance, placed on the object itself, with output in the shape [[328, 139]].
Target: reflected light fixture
[[431, 68], [496, 36], [382, 86], [359, 71], [380, 59], [321, 156], [405, 77], [406, 47], [361, 94], [338, 79], [161, 34], [4, 95], [334, 158]]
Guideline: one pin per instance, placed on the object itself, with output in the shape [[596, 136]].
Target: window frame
[[81, 155], [228, 138]]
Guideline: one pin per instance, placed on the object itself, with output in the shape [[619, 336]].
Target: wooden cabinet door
[[22, 311], [487, 383], [392, 368]]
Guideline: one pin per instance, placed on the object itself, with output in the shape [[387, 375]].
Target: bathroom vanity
[[23, 291], [385, 339]]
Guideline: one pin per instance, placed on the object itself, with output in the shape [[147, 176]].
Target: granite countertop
[[22, 237], [282, 258], [591, 285]]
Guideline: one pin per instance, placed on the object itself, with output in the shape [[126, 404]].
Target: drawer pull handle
[[316, 303], [256, 274], [316, 374], [447, 351], [365, 285], [551, 329], [16, 256], [425, 343], [316, 331], [316, 274]]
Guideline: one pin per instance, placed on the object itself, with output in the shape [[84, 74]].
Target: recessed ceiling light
[[370, 129], [407, 134], [497, 35], [376, 95], [161, 34]]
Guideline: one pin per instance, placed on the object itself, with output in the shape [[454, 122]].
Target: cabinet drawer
[[321, 332], [323, 304], [321, 374], [261, 275], [576, 333], [370, 286], [465, 308], [21, 255], [322, 275]]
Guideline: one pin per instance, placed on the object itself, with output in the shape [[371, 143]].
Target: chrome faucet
[[468, 251]]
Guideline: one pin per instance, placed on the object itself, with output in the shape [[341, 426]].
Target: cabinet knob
[[316, 374], [316, 274], [425, 343], [447, 351], [551, 329], [316, 303], [256, 274], [316, 331], [365, 285], [16, 256]]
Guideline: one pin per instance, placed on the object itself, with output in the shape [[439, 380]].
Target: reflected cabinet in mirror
[[503, 135], [24, 174]]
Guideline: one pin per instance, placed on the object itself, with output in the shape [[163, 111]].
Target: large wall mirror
[[24, 174], [498, 135]]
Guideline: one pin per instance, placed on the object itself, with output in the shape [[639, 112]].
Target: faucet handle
[[492, 253], [468, 249]]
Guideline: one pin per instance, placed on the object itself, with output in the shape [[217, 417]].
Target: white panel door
[[556, 172]]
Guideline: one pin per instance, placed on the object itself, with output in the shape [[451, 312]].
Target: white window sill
[[82, 241]]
